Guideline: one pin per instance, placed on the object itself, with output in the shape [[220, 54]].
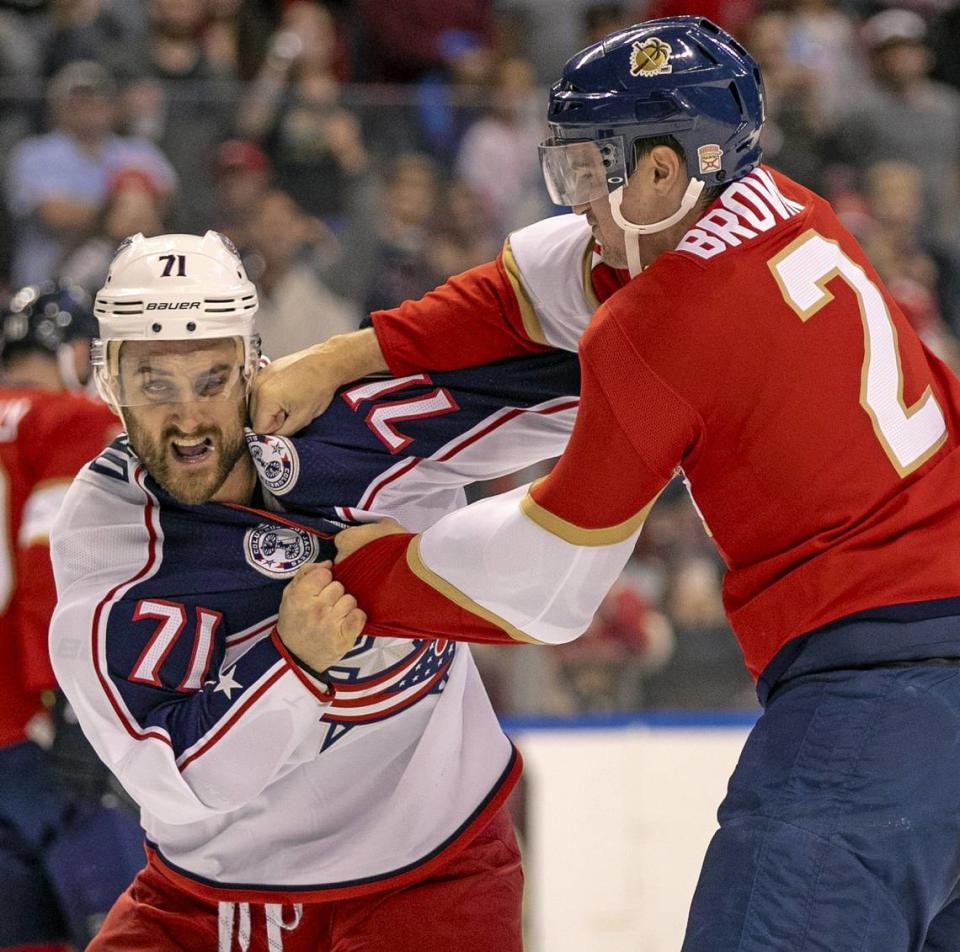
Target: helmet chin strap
[[631, 230]]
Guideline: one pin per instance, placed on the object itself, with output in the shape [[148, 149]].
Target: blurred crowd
[[358, 152]]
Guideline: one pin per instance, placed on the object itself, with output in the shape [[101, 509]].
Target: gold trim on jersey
[[37, 539], [528, 313], [54, 482], [822, 282], [451, 593], [577, 535], [773, 264], [589, 295]]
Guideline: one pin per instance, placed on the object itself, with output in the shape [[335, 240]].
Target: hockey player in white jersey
[[300, 789]]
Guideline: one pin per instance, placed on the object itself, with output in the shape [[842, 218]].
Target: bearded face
[[186, 417], [192, 465]]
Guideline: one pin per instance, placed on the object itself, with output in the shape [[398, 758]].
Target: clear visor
[[140, 374], [580, 172]]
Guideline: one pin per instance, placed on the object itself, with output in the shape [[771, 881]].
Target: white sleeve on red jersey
[[537, 294], [534, 564], [549, 265]]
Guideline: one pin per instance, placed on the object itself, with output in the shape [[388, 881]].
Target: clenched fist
[[293, 390], [318, 622]]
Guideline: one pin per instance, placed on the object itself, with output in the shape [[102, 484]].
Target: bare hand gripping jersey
[[252, 781], [762, 359]]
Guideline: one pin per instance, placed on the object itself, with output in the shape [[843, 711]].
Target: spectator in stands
[[733, 15], [293, 111], [903, 115], [944, 36], [405, 40], [513, 33], [464, 237], [135, 202], [221, 38], [242, 175], [449, 101], [792, 134], [523, 681], [706, 668], [599, 19], [82, 30], [397, 250], [174, 96], [56, 183], [605, 669], [20, 55], [445, 51], [922, 273], [822, 39], [290, 251], [673, 534], [498, 154]]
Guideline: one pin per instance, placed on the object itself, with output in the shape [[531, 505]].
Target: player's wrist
[[322, 676], [322, 683], [352, 355]]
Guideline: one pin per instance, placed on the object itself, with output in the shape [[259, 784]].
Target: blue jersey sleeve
[[391, 438]]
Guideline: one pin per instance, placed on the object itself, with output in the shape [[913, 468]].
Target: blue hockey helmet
[[678, 76], [46, 316]]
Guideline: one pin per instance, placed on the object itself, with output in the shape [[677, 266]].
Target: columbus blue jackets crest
[[278, 551]]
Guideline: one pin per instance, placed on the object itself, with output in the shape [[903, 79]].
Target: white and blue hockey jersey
[[253, 783]]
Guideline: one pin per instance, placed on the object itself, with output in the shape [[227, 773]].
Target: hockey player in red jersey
[[64, 858], [745, 342]]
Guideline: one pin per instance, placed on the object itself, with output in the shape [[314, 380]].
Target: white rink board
[[619, 819]]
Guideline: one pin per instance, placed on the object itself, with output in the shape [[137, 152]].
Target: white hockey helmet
[[174, 288]]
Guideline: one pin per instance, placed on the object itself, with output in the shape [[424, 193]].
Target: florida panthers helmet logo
[[276, 460], [278, 551], [650, 58]]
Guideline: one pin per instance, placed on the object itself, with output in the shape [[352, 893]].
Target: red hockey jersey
[[765, 361], [44, 440]]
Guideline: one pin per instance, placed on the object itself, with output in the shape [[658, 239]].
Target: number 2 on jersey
[[908, 435]]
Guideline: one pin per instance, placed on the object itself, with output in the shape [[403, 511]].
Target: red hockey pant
[[472, 904]]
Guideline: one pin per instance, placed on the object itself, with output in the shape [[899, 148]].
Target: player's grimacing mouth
[[191, 450]]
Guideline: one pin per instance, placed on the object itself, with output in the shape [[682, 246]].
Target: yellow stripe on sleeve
[[429, 577], [589, 295], [577, 535], [528, 314]]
